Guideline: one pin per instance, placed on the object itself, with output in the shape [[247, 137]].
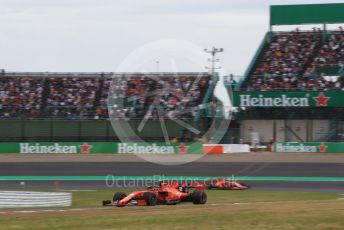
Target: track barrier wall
[[312, 147], [58, 147], [20, 199], [125, 148], [212, 149], [100, 147], [236, 148], [161, 147]]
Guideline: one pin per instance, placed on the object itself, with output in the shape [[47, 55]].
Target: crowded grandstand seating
[[20, 97], [87, 97], [288, 61], [72, 98], [332, 51], [149, 97]]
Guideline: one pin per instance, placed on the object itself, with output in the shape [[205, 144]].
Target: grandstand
[[295, 65], [293, 90], [143, 96], [74, 106], [298, 60], [84, 96]]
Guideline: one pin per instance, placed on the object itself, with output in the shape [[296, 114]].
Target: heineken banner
[[100, 147], [159, 148], [309, 147], [58, 147], [289, 99]]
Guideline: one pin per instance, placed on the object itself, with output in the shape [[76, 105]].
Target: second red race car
[[225, 184], [165, 193]]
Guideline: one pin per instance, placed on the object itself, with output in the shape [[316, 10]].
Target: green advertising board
[[289, 99], [159, 148], [58, 147], [309, 147], [100, 147]]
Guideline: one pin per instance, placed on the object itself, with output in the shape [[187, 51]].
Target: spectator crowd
[[332, 51], [20, 97], [78, 98], [290, 60], [72, 98], [148, 97]]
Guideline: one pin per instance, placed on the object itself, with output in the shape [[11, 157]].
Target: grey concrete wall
[[297, 130], [280, 132], [320, 128], [263, 127], [285, 130]]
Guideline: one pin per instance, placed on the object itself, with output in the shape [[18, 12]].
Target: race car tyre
[[106, 202], [118, 196], [199, 197], [150, 198]]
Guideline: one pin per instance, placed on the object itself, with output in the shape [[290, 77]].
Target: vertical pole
[[107, 134], [213, 60], [285, 131], [274, 130], [79, 130], [51, 127], [157, 66], [22, 129]]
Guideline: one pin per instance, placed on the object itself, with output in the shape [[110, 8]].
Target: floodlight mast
[[213, 59], [157, 65]]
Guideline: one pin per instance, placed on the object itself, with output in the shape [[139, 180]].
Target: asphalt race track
[[190, 169], [255, 169]]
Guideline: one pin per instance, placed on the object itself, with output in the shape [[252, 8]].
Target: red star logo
[[321, 99], [322, 148], [182, 148], [85, 148]]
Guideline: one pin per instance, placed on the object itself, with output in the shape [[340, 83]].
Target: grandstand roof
[[306, 14], [102, 74]]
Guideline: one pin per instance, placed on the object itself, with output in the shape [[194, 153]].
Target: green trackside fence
[[313, 147], [61, 130], [100, 147]]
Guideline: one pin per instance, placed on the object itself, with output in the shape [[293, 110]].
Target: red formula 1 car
[[166, 193], [224, 184]]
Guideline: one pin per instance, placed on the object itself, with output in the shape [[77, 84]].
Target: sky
[[131, 35]]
